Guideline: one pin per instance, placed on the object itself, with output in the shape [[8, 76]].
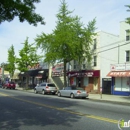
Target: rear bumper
[[50, 91], [81, 95]]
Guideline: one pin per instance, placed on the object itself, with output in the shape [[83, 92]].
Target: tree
[[11, 61], [24, 9], [128, 19], [69, 40], [28, 57]]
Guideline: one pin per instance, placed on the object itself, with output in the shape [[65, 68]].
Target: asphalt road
[[28, 111]]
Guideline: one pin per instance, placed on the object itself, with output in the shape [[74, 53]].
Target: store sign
[[85, 74], [120, 67], [58, 70]]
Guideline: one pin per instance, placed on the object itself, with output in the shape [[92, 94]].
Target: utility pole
[[2, 65]]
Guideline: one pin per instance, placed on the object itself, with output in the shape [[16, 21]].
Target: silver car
[[45, 88], [72, 92]]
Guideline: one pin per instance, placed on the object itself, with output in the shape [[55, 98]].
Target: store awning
[[119, 74], [38, 76]]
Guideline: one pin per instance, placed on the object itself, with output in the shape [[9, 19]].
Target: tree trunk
[[65, 81], [27, 81]]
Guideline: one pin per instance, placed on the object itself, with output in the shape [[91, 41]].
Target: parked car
[[72, 92], [10, 85], [45, 88]]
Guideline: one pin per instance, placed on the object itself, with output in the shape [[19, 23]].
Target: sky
[[108, 14]]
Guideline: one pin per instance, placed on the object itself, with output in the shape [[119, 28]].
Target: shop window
[[127, 56], [127, 35], [85, 81], [95, 60]]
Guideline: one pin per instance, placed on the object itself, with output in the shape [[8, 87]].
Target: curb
[[91, 99], [109, 101]]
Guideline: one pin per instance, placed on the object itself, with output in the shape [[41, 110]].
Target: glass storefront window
[[125, 84], [85, 81], [118, 84]]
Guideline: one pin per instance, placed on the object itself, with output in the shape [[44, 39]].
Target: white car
[[72, 92], [45, 88]]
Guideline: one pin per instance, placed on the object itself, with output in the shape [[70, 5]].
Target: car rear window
[[51, 85], [11, 82]]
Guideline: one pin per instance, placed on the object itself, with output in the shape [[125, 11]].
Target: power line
[[111, 44], [113, 47]]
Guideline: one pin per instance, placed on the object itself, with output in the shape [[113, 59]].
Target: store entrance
[[106, 85], [78, 82]]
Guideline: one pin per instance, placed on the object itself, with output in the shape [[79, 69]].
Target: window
[[84, 66], [127, 35], [51, 85], [127, 56], [75, 65], [95, 44], [95, 60]]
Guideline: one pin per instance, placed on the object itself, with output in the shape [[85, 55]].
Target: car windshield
[[51, 85], [77, 88]]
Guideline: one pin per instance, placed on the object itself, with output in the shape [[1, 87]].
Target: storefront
[[120, 74], [34, 76], [88, 79]]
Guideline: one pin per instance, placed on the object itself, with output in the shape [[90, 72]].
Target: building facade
[[120, 72], [93, 76]]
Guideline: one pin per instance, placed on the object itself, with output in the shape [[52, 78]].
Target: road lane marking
[[4, 94], [66, 110]]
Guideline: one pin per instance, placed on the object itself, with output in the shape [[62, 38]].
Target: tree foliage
[[11, 60], [24, 9], [128, 19], [69, 40], [28, 57]]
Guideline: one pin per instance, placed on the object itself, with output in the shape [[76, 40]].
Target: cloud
[[108, 14]]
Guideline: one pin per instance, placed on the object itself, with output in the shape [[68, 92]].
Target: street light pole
[[2, 65]]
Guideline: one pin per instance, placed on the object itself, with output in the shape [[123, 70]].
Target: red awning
[[119, 74]]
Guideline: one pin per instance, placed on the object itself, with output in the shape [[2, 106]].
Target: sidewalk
[[98, 97], [110, 98]]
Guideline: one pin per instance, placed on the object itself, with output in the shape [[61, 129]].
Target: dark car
[[10, 85]]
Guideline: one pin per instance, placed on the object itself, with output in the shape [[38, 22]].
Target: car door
[[67, 91], [38, 88], [42, 86], [63, 91]]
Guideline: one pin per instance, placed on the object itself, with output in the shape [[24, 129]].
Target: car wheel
[[72, 95], [43, 92], [59, 94], [35, 91]]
